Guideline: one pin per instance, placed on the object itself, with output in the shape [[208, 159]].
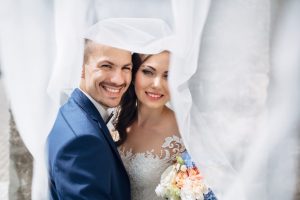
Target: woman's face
[[151, 81]]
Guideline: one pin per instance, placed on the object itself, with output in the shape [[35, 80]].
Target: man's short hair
[[87, 50]]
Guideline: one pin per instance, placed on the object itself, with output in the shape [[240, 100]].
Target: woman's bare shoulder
[[171, 123]]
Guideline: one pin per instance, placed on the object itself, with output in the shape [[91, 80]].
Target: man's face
[[106, 74]]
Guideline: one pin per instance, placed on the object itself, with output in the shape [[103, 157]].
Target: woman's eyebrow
[[148, 66]]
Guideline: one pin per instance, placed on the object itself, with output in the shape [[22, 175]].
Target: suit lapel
[[90, 109], [109, 139]]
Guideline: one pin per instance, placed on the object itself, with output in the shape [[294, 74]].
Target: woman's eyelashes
[[151, 73], [166, 75], [148, 72]]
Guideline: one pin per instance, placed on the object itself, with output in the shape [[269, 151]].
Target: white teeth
[[154, 95], [112, 90]]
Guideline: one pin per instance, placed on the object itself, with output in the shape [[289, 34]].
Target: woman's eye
[[147, 72], [165, 76]]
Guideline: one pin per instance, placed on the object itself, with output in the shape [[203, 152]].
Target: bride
[[149, 136]]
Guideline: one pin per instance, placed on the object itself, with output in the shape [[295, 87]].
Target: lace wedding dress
[[144, 169]]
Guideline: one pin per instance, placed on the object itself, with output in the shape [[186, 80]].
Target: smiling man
[[83, 161], [106, 73]]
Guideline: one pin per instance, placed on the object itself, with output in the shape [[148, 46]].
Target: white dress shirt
[[101, 109]]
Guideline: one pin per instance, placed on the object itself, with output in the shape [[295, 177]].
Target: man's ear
[[83, 71]]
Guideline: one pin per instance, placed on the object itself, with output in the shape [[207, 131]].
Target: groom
[[83, 160]]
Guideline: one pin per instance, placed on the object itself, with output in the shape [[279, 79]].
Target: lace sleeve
[[172, 147]]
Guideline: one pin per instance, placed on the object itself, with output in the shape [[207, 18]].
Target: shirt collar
[[103, 112]]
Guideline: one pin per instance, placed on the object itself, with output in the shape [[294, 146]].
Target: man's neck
[[101, 109]]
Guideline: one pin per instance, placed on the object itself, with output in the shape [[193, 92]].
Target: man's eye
[[127, 68], [147, 72], [105, 66]]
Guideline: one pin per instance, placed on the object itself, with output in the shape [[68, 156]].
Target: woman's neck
[[149, 117]]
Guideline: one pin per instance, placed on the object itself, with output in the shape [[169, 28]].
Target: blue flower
[[187, 159], [185, 155], [210, 195]]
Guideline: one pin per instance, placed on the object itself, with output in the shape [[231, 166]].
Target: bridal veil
[[233, 77]]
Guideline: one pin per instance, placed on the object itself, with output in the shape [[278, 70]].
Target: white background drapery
[[225, 75]]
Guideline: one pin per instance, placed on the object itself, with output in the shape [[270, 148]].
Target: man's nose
[[117, 77]]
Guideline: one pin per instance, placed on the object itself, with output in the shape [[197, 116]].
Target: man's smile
[[112, 91]]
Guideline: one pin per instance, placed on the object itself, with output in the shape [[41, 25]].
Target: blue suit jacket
[[84, 162]]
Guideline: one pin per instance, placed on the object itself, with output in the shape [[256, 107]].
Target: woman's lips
[[154, 96]]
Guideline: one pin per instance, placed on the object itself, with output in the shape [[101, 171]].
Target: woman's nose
[[156, 82]]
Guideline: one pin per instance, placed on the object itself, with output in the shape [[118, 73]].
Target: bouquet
[[183, 181]]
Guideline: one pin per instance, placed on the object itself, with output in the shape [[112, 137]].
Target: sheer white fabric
[[224, 87], [219, 79], [26, 46], [220, 95], [145, 168]]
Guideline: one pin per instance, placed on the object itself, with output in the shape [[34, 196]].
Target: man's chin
[[111, 104]]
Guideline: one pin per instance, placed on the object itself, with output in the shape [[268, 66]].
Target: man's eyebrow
[[111, 63], [106, 61], [126, 65]]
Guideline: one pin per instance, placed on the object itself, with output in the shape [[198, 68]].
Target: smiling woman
[[149, 137], [151, 80]]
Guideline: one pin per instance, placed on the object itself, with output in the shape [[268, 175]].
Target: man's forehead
[[105, 49], [112, 56]]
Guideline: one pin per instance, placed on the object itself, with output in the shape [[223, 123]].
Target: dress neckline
[[171, 146]]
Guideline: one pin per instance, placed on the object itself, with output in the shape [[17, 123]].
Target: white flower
[[168, 176], [160, 190], [187, 194], [177, 166], [115, 135], [186, 191], [183, 168], [199, 191], [193, 189], [166, 180], [202, 187]]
